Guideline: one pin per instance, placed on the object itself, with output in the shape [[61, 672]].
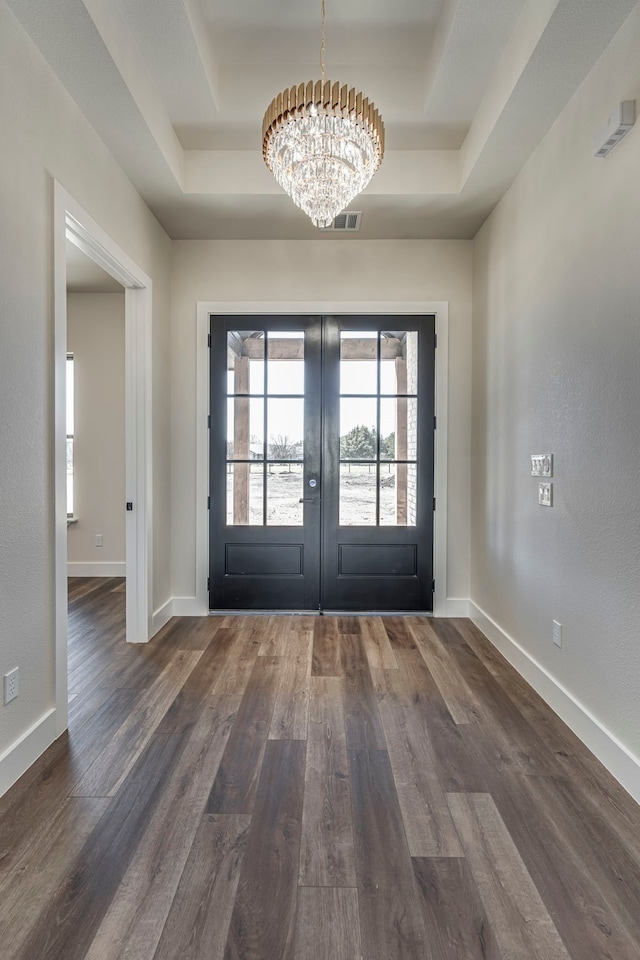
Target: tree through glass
[[378, 428]]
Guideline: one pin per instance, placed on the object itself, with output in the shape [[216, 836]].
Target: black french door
[[321, 463]]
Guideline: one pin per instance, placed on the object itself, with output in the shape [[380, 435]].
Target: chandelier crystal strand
[[322, 41], [323, 143]]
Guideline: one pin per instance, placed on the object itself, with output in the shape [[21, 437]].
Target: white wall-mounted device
[[612, 132], [541, 464], [545, 494]]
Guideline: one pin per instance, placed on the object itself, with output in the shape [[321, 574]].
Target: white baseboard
[[189, 607], [611, 752], [26, 750], [96, 569], [456, 607], [161, 616]]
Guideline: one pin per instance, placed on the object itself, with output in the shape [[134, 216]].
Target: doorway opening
[[322, 463], [72, 225]]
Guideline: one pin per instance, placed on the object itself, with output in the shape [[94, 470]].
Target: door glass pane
[[358, 430], [398, 488], [285, 429], [358, 362], [284, 491], [285, 352], [245, 361], [245, 494], [357, 495], [399, 429], [245, 428]]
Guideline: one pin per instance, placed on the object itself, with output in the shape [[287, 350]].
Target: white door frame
[[441, 310], [72, 222]]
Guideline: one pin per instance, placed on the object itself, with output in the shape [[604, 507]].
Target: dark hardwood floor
[[300, 788]]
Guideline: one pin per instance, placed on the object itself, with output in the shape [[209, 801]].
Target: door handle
[[309, 500]]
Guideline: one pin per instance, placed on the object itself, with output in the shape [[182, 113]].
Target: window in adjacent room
[[70, 431]]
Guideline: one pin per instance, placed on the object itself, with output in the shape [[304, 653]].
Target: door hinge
[[433, 586], [435, 340], [209, 421], [434, 503], [208, 503], [208, 339], [208, 583], [129, 505], [435, 423]]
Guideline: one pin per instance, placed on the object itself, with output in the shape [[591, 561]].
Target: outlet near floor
[[10, 686]]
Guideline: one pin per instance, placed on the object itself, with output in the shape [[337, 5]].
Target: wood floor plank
[[326, 648], [67, 924], [514, 739], [263, 920], [275, 636], [363, 725], [198, 923], [40, 872], [234, 787], [399, 637], [455, 918], [391, 913], [133, 923], [328, 925], [462, 702], [425, 812], [377, 647], [291, 709], [414, 687], [108, 771], [186, 709], [193, 633], [595, 848], [235, 674], [590, 923], [447, 630], [519, 919], [327, 857]]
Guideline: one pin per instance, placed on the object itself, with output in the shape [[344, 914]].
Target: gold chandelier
[[323, 142]]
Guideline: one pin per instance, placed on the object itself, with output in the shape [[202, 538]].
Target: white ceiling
[[177, 90]]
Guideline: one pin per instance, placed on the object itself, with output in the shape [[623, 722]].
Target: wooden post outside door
[[241, 441]]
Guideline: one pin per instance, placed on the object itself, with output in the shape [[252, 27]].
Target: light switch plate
[[545, 494], [541, 464]]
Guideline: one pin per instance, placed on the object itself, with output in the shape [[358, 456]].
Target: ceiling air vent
[[346, 222]]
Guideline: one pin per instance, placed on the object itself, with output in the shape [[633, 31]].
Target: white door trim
[[205, 308], [72, 222]]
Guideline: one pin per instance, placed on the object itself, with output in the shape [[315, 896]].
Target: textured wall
[[45, 136], [557, 369]]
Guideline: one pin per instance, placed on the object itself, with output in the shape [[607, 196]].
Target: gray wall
[[556, 368]]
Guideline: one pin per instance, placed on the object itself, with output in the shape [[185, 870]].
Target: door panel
[[322, 463], [378, 401], [264, 451]]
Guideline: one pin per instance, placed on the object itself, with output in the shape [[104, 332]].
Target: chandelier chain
[[322, 41]]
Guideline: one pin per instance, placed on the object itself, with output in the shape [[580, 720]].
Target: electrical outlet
[[10, 686], [98, 539], [557, 633]]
